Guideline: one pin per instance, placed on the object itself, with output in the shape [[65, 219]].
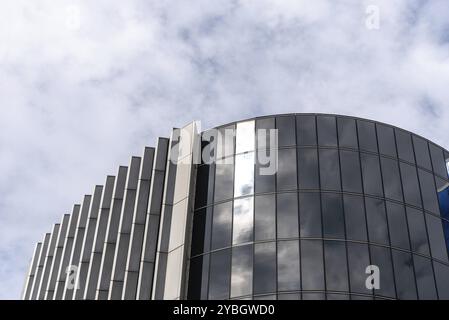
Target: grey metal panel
[[50, 290], [78, 242], [88, 240], [40, 266], [107, 257], [66, 253], [100, 234], [31, 272], [48, 261], [121, 249]]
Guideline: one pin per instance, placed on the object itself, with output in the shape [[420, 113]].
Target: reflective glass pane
[[372, 181], [286, 174], [377, 221], [224, 184], [242, 271], [381, 257], [310, 214], [308, 175], [265, 267], [287, 215], [245, 137], [337, 296], [367, 135], [244, 174], [312, 265], [329, 169], [404, 275], [220, 272], [306, 130], [438, 162], [422, 152], [225, 141], [198, 276], [442, 279], [336, 266], [327, 131], [265, 216], [286, 131], [313, 296], [417, 229], [202, 186], [355, 217], [391, 179], [397, 223], [333, 217], [289, 296], [424, 278], [350, 171], [387, 142], [221, 225], [265, 125], [288, 265], [358, 259], [201, 231], [404, 144], [243, 221], [264, 182], [428, 192], [410, 184], [436, 238], [347, 134]]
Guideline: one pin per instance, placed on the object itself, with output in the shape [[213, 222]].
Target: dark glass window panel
[[336, 266], [313, 296], [391, 179], [387, 145], [286, 131], [442, 280], [242, 271], [224, 179], [397, 223], [372, 181], [289, 296], [436, 238], [428, 192], [350, 171], [310, 215], [417, 230], [422, 152], [201, 231], [312, 265], [355, 218], [264, 125], [377, 221], [424, 278], [329, 169], [327, 131], [220, 275], [265, 267], [198, 276], [287, 215], [202, 186], [410, 184], [404, 275], [347, 133], [265, 217], [438, 162], [222, 225], [367, 136], [263, 182], [333, 216], [337, 296], [358, 260], [308, 174], [288, 266], [306, 130], [286, 174], [404, 144], [381, 257]]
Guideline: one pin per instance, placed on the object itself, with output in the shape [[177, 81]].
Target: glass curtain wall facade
[[348, 193]]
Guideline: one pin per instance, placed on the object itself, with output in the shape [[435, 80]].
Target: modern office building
[[354, 209]]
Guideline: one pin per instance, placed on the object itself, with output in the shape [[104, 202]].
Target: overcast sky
[[86, 84]]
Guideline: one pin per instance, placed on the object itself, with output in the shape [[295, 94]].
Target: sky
[[86, 84]]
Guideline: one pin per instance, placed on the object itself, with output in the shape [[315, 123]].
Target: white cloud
[[81, 94]]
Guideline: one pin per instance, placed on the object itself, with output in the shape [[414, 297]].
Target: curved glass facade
[[348, 193]]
